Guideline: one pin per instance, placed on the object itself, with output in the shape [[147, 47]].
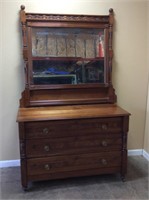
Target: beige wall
[[130, 70]]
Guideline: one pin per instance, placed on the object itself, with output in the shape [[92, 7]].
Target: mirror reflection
[[68, 55]]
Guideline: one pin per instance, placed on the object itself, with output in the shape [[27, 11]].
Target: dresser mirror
[[68, 59]]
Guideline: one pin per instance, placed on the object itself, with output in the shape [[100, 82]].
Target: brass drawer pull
[[104, 162], [104, 127], [47, 167], [104, 143], [45, 131], [46, 148]]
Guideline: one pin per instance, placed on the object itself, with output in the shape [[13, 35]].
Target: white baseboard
[[16, 163], [146, 155], [135, 152], [9, 163], [139, 152]]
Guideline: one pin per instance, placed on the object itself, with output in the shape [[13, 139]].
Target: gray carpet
[[94, 187]]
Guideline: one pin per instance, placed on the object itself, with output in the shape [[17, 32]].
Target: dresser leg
[[25, 185], [123, 178], [24, 180], [25, 189]]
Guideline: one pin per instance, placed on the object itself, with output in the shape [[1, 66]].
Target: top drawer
[[61, 128]]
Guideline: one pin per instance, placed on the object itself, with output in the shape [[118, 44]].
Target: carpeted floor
[[94, 187]]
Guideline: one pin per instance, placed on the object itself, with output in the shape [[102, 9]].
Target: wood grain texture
[[69, 130], [69, 112], [69, 141], [44, 95]]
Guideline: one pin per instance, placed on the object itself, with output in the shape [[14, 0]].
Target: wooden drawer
[[44, 129], [69, 145], [73, 162]]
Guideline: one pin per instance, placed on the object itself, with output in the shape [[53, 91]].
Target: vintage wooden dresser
[[69, 123]]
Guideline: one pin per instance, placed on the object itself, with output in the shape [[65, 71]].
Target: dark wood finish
[[37, 95], [65, 163], [70, 112], [72, 139], [70, 130]]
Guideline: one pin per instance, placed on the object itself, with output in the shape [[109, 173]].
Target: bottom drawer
[[37, 166]]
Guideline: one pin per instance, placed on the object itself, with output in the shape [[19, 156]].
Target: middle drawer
[[69, 145]]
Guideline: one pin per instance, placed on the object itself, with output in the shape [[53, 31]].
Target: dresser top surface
[[69, 112]]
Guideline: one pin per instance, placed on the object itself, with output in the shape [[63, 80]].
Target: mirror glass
[[68, 55]]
